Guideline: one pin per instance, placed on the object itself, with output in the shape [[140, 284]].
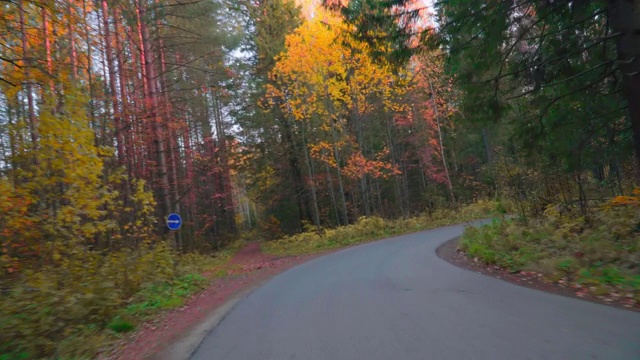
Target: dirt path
[[248, 268]]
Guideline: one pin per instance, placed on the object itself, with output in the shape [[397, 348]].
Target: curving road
[[395, 299]]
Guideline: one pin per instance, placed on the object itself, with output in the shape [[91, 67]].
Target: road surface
[[395, 299]]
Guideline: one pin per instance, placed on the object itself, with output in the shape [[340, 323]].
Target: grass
[[373, 228], [77, 311], [600, 252], [165, 295]]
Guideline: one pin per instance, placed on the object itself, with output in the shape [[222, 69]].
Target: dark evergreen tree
[[540, 58]]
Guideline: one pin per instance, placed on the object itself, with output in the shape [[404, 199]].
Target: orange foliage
[[358, 166], [633, 200]]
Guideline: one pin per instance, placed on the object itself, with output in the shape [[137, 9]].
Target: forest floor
[[247, 269], [450, 252]]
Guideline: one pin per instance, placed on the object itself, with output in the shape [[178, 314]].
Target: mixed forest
[[271, 119]]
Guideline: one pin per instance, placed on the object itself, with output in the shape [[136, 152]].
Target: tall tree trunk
[[47, 48], [314, 199], [332, 194], [395, 161], [345, 213], [294, 165], [444, 159], [381, 211], [136, 94], [225, 178], [152, 111], [125, 111], [73, 56], [28, 63], [87, 39], [190, 180], [624, 16], [112, 83], [106, 138]]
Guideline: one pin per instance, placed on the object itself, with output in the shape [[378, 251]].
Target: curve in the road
[[395, 299]]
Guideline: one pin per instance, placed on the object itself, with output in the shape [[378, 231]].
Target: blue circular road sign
[[174, 221]]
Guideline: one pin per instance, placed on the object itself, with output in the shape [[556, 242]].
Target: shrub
[[75, 308], [602, 248], [371, 228]]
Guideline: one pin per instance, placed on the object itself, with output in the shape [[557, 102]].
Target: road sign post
[[174, 221]]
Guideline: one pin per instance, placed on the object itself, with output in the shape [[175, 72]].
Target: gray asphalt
[[395, 299]]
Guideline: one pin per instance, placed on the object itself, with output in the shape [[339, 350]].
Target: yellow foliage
[[324, 78], [58, 309], [371, 228]]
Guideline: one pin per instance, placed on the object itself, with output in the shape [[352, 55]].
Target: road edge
[[185, 346], [448, 251]]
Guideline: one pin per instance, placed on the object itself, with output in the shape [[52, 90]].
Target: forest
[[286, 121]]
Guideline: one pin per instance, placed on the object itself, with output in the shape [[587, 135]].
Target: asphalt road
[[396, 300]]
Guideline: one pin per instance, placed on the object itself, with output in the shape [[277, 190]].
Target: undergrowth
[[599, 251], [89, 300], [371, 228], [74, 311]]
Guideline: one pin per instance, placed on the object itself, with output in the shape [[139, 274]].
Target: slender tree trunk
[[334, 203], [106, 138], [140, 18], [92, 97], [395, 161], [190, 184], [13, 141], [47, 47], [316, 212], [379, 195], [28, 63], [294, 165], [73, 55], [225, 178], [345, 214], [444, 159], [126, 118], [365, 198], [188, 158], [136, 94], [112, 83], [405, 184], [624, 16], [147, 139], [152, 111]]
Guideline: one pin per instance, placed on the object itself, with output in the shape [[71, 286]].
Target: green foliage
[[120, 325], [601, 249], [371, 228], [165, 295], [273, 21]]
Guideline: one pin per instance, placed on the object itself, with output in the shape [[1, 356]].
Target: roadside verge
[[450, 253]]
